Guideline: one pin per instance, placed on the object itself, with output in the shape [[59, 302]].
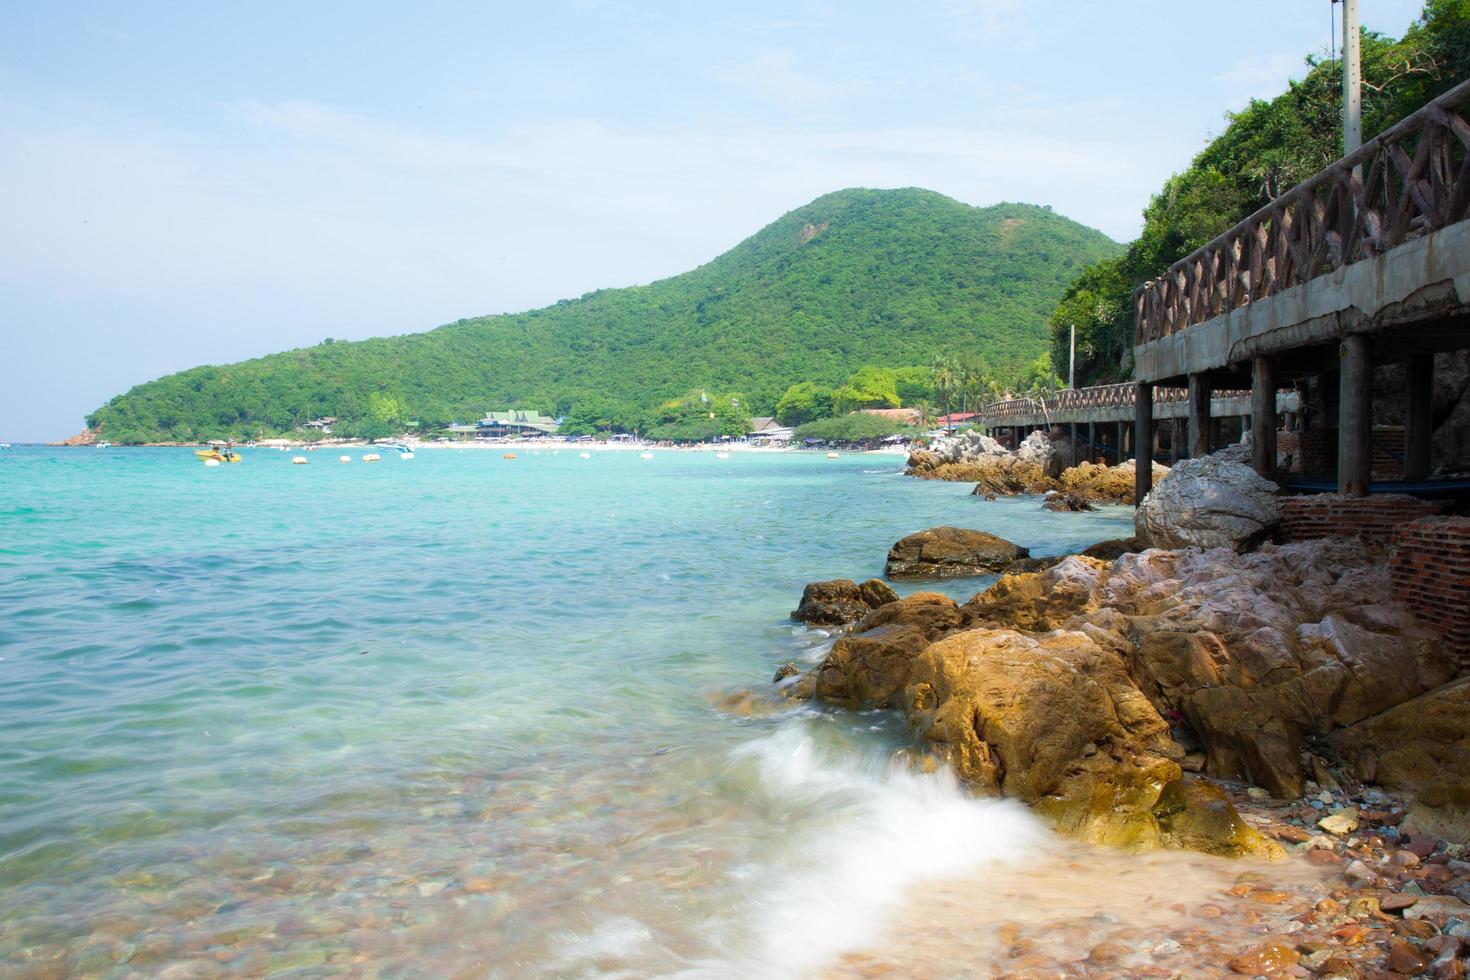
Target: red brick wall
[[1388, 439], [1430, 568], [1319, 452], [1318, 449], [1374, 519]]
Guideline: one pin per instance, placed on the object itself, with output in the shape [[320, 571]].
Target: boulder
[[1420, 746], [1106, 484], [1064, 502], [870, 669], [1196, 815], [1005, 475], [1055, 721], [963, 457], [1040, 601], [931, 613], [1112, 549], [840, 601], [950, 552], [1209, 503], [1039, 450]]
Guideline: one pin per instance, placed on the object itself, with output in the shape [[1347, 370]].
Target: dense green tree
[[856, 427], [858, 277], [867, 387], [804, 402]]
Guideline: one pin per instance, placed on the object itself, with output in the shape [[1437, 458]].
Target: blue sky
[[197, 183]]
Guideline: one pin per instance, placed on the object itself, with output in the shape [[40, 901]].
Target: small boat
[[216, 456], [344, 459], [298, 460], [104, 445], [4, 445], [370, 457], [722, 455], [584, 455], [645, 455], [832, 455], [507, 455]]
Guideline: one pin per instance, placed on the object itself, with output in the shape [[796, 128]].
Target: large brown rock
[[1055, 720], [1256, 652], [1420, 746], [870, 669], [837, 602], [1196, 815], [950, 552], [933, 614], [1105, 484], [1260, 651], [1040, 601]]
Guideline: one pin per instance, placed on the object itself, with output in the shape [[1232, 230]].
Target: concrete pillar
[[1122, 441], [1199, 416], [1355, 417], [1143, 440], [1418, 415], [1263, 415]]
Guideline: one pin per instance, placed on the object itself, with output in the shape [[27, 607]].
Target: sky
[[190, 183]]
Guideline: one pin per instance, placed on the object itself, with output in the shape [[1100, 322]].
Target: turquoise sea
[[452, 716]]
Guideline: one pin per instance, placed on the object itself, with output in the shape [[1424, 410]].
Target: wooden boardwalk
[[1284, 318]]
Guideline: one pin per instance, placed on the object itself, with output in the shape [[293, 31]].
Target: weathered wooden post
[[1143, 440], [1355, 417], [1418, 415], [1199, 416], [1263, 415]]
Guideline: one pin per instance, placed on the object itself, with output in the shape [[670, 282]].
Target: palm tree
[[944, 382], [926, 416]]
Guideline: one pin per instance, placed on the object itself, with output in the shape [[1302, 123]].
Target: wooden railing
[[1072, 400], [1417, 181]]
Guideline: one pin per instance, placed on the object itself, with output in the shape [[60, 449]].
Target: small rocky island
[[1210, 684]]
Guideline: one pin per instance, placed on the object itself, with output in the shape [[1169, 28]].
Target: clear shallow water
[[452, 715]]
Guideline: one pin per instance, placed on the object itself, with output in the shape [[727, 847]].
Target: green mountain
[[887, 278]]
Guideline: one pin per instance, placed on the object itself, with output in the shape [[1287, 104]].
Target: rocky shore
[[1195, 688], [1040, 465]]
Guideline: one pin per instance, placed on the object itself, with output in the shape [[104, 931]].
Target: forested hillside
[[1266, 149], [883, 278]]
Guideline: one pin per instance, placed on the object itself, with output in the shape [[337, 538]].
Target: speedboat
[[227, 456]]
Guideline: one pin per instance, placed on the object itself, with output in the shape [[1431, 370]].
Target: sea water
[[456, 715]]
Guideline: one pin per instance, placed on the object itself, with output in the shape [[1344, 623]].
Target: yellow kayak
[[217, 456]]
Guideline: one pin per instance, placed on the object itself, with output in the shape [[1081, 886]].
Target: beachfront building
[[766, 429], [502, 425]]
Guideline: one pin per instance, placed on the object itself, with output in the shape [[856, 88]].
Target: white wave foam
[[863, 829]]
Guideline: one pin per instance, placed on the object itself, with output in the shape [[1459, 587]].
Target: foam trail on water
[[864, 829]]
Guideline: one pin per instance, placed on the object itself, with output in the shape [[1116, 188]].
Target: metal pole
[[1072, 358], [1352, 79]]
